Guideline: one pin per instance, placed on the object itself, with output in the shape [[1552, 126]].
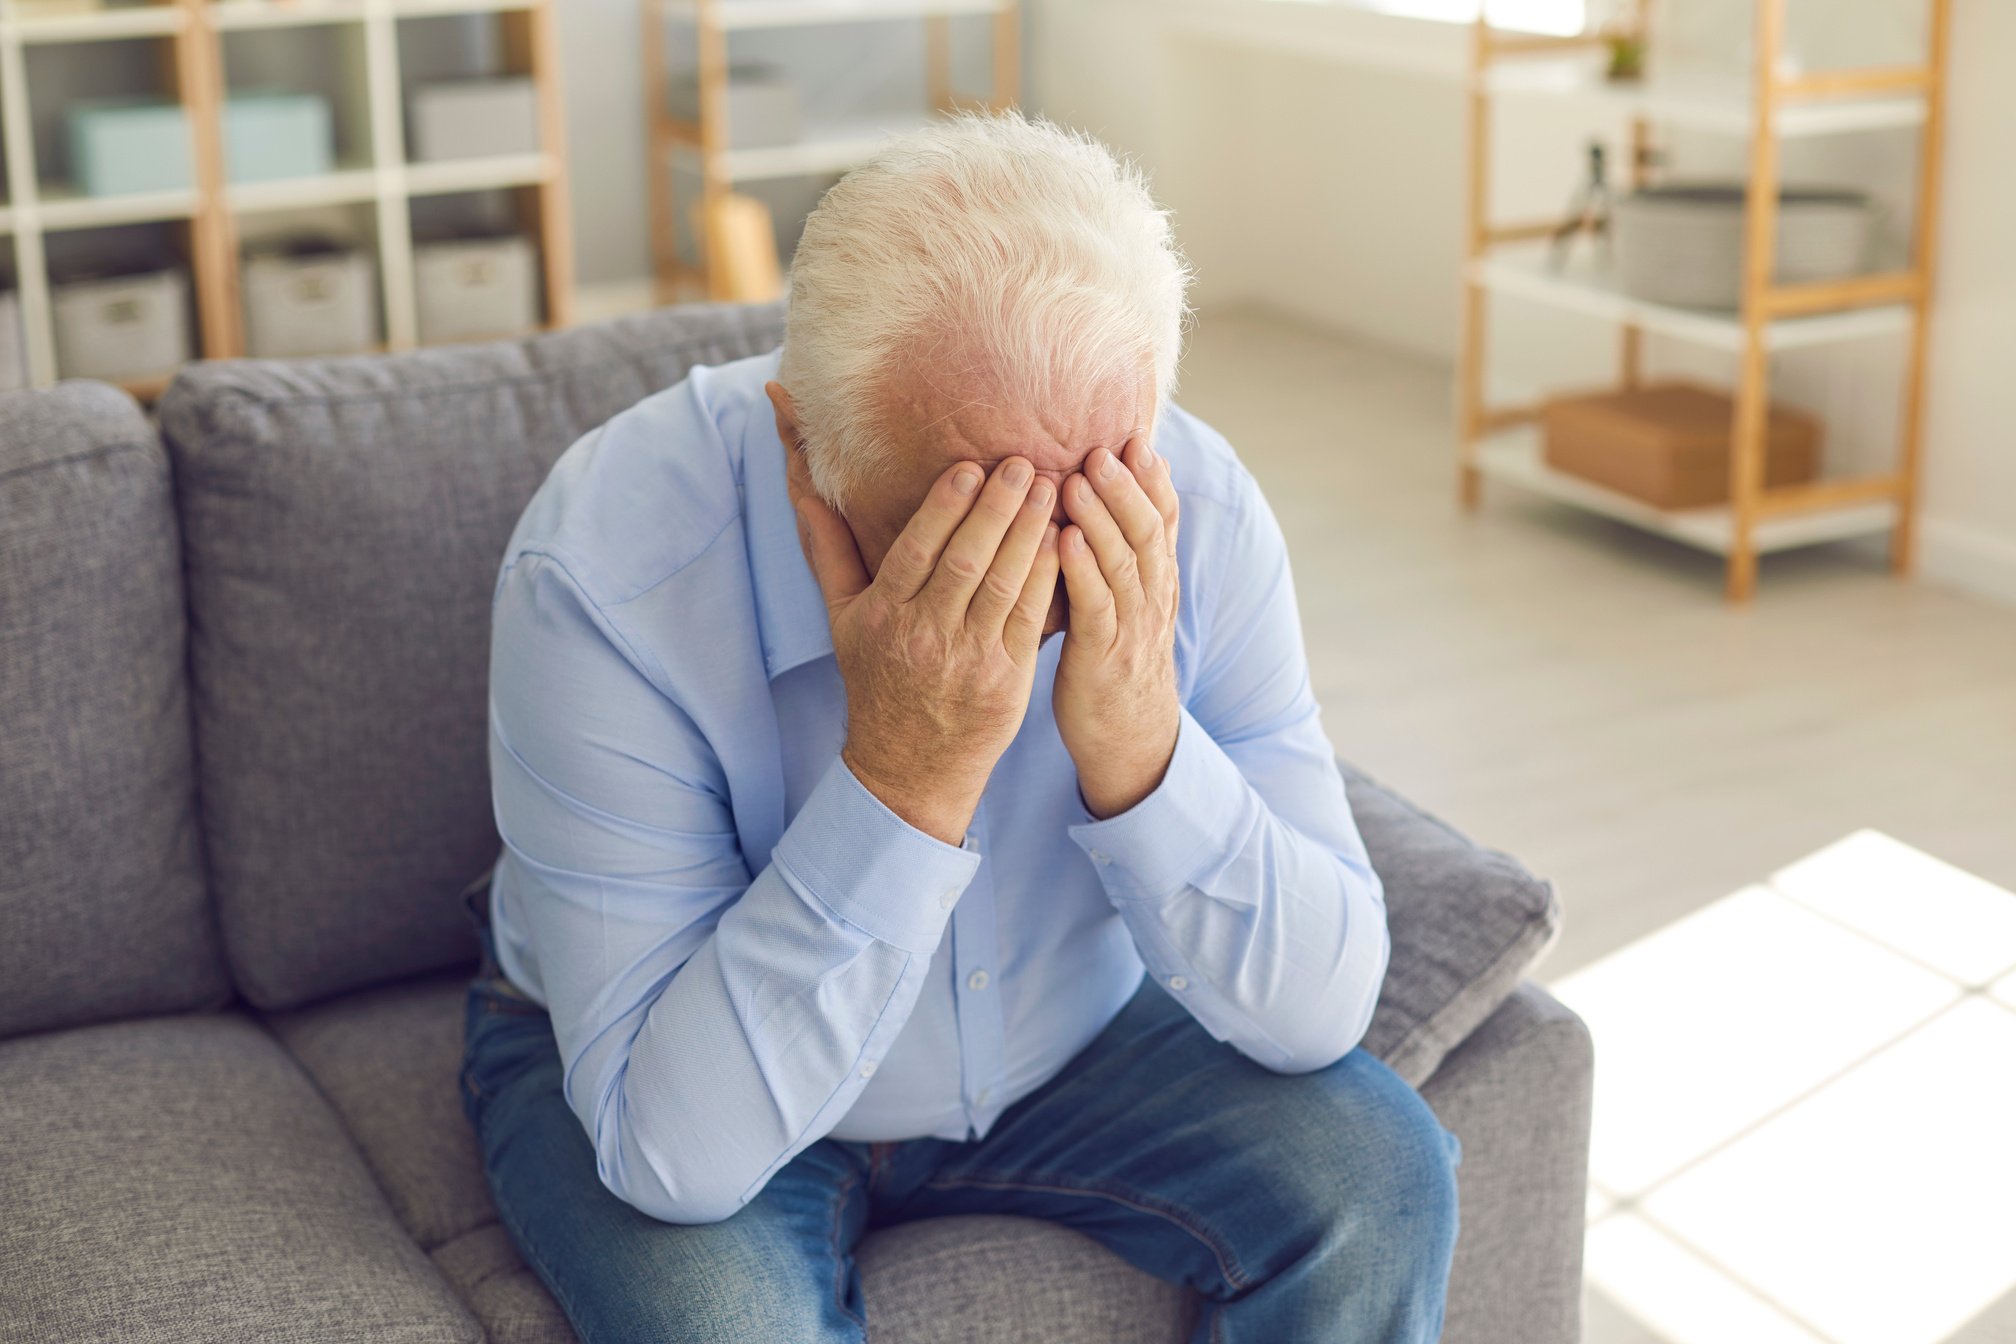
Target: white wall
[[1314, 157]]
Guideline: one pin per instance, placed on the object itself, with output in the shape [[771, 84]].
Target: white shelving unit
[[1773, 105], [214, 210], [1524, 272], [702, 145]]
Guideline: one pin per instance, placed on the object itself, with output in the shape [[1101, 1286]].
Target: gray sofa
[[242, 785]]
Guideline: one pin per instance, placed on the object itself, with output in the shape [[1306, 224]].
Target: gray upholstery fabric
[[343, 521], [994, 1280], [102, 908], [387, 1060], [177, 1180], [1517, 1093], [1467, 923]]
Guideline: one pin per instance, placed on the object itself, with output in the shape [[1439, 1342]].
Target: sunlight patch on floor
[[1805, 1119]]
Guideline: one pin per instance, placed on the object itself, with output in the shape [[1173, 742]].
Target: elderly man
[[914, 804]]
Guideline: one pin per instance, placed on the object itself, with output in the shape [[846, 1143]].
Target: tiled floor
[[1805, 1022]]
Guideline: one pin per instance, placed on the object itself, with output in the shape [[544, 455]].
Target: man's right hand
[[938, 651]]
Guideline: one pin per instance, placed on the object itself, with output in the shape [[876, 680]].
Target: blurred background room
[[1634, 380]]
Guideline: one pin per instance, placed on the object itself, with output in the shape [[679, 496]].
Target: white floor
[[1805, 1021]]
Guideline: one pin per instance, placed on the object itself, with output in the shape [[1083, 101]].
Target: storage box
[[474, 119], [310, 301], [268, 136], [13, 354], [131, 326], [763, 107], [124, 146], [1682, 243], [1668, 444], [472, 289]]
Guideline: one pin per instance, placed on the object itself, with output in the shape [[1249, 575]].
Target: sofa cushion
[[179, 1177], [343, 522], [101, 881], [387, 1059], [1467, 923], [1004, 1280]]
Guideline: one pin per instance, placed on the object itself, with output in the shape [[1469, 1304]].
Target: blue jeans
[[1303, 1208]]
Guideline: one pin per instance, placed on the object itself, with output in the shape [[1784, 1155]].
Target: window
[[1532, 16]]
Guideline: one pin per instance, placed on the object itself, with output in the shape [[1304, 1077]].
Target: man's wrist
[[1115, 780], [939, 810]]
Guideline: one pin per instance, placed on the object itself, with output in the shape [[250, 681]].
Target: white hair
[[1006, 245]]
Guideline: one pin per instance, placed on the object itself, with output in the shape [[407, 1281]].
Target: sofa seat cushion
[[1467, 924], [98, 845], [387, 1059], [180, 1178], [992, 1280]]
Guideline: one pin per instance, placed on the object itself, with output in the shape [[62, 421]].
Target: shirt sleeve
[[1242, 877], [712, 1023]]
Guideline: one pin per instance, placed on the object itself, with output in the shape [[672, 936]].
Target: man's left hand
[[1115, 699]]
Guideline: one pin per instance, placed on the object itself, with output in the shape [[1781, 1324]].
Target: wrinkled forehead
[[945, 413]]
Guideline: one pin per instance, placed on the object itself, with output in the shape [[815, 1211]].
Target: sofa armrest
[[1467, 924], [1517, 1093]]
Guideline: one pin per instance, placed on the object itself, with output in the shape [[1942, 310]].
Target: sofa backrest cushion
[[102, 906], [343, 522]]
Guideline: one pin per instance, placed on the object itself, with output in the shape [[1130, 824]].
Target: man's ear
[[787, 415]]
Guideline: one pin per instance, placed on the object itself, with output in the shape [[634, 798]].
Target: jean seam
[[840, 1255], [1228, 1262]]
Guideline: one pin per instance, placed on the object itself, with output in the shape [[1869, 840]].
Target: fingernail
[[1050, 537], [1109, 466], [1039, 494], [966, 480], [1147, 455], [1017, 473]]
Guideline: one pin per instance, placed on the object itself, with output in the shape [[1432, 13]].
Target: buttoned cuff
[[848, 852], [1179, 834]]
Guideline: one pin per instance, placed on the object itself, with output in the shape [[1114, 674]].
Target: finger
[[831, 550], [1024, 627], [1116, 559], [1002, 584], [914, 555], [1140, 521], [978, 536], [1094, 619], [1152, 470]]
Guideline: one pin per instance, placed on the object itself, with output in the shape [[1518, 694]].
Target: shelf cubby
[[199, 52]]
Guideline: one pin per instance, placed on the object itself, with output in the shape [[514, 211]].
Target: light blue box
[[124, 146], [268, 136]]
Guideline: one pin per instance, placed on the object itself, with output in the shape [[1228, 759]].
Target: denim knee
[[1392, 1164]]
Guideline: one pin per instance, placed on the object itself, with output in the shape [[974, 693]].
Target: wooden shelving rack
[[213, 207], [1503, 442], [703, 143]]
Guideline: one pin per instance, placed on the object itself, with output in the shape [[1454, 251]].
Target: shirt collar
[[790, 610]]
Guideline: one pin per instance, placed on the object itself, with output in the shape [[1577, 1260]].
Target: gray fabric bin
[[1682, 243]]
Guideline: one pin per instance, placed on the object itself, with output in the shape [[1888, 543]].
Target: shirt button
[[981, 1099], [949, 898], [977, 980], [868, 1069], [1178, 982], [1101, 856]]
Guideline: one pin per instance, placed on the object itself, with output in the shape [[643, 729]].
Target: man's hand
[[939, 652], [1115, 699]]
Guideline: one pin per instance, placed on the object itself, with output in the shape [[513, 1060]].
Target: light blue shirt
[[743, 950]]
